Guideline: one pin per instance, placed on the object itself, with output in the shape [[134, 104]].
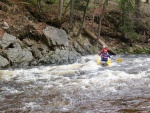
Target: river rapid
[[82, 87]]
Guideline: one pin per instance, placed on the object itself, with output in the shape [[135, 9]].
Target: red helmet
[[105, 50]]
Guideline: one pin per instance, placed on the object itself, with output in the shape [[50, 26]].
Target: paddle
[[119, 60]]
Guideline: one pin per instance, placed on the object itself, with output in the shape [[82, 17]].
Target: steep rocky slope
[[25, 41]]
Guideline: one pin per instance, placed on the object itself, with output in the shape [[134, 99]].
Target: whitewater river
[[82, 87]]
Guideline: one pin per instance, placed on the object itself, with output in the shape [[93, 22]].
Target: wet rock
[[19, 57], [43, 48], [61, 56], [5, 25], [3, 62], [36, 52], [22, 45], [32, 52], [7, 39], [73, 56], [27, 42], [47, 59], [55, 36]]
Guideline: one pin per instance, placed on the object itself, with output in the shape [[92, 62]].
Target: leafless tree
[[101, 15], [137, 7], [39, 5], [71, 13], [60, 9]]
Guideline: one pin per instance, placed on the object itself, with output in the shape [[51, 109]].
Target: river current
[[82, 87]]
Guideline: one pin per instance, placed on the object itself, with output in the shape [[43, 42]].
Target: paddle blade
[[119, 60], [108, 62], [98, 60]]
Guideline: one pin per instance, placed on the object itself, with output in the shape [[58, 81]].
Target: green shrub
[[133, 35]]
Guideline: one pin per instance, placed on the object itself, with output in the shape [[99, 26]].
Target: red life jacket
[[105, 55]]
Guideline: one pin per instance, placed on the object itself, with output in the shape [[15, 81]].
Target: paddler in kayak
[[102, 51], [105, 55]]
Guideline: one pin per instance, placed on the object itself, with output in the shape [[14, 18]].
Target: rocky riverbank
[[53, 47]]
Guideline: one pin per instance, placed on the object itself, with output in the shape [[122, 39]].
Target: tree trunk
[[85, 13], [82, 26], [39, 5], [147, 1], [137, 8], [101, 42], [92, 22], [93, 17], [101, 17], [65, 10], [71, 13], [60, 9]]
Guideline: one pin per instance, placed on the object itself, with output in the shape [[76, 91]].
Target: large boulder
[[55, 57], [53, 48], [73, 56], [19, 57], [7, 40], [36, 52], [3, 62], [55, 36]]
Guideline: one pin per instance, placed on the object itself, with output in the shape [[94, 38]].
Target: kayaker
[[104, 54], [102, 51]]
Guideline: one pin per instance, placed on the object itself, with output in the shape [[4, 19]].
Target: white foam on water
[[31, 105], [7, 75], [85, 76], [73, 70], [47, 71], [10, 91]]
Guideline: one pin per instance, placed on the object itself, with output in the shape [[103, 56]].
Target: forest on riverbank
[[122, 24]]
